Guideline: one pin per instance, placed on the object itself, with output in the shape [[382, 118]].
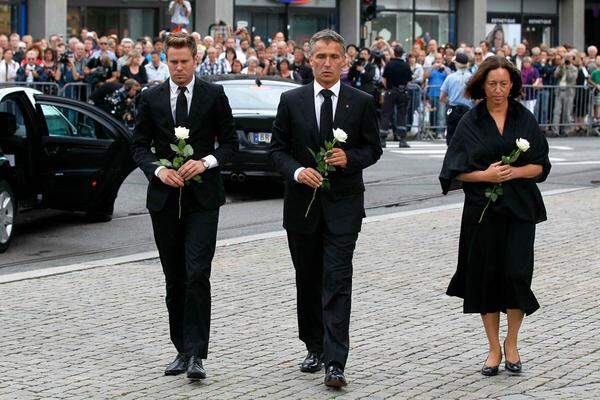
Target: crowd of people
[[557, 79]]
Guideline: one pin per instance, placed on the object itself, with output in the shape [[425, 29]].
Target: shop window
[[393, 26], [432, 26], [5, 19]]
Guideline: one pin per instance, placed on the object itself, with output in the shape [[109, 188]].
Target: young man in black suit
[[322, 243], [186, 246]]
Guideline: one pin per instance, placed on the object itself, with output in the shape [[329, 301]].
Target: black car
[[58, 153], [254, 103]]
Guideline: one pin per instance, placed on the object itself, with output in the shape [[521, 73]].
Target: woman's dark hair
[[283, 60], [230, 50], [51, 51], [475, 87]]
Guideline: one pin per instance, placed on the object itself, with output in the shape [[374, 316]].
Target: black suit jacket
[[295, 130], [209, 120]]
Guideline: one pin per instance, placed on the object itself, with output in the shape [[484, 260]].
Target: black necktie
[[181, 108], [326, 121]]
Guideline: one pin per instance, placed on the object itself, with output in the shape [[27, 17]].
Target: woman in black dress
[[133, 68], [495, 259]]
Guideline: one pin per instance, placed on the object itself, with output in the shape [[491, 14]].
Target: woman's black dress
[[141, 76], [495, 257]]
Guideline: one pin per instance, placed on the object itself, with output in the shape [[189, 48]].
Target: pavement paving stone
[[103, 333]]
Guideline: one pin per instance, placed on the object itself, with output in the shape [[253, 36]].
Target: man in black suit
[[322, 244], [186, 246]]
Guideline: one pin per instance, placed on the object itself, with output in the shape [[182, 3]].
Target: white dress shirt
[[174, 91], [319, 99]]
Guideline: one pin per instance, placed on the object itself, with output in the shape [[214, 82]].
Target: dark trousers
[[186, 247], [453, 116], [395, 99], [323, 263]]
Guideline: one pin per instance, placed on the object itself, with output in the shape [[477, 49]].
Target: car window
[[65, 121], [58, 124], [12, 107], [248, 96]]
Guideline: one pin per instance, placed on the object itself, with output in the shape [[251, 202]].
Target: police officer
[[396, 76], [453, 93]]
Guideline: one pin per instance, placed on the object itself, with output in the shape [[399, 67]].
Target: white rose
[[340, 135], [523, 145], [182, 132]]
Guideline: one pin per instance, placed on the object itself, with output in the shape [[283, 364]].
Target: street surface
[[403, 179], [102, 333]]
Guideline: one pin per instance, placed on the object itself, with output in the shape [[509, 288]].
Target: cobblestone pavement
[[103, 333]]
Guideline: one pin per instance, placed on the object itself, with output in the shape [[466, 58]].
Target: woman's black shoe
[[515, 368], [491, 371]]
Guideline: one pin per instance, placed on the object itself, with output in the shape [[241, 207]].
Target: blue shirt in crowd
[[454, 87], [436, 79]]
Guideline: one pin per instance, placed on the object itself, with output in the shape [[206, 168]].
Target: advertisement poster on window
[[500, 30]]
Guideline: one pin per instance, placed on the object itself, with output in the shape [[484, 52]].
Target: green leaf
[[197, 178], [174, 147], [494, 197], [499, 190], [312, 152], [325, 184], [177, 161], [330, 168], [188, 150], [505, 160], [163, 162], [181, 143]]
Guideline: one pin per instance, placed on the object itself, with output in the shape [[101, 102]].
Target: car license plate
[[262, 137]]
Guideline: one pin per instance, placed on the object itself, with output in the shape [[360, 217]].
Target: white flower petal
[[522, 144], [182, 132], [340, 135]]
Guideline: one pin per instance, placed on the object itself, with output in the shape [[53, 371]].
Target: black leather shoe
[[178, 366], [402, 144], [491, 371], [312, 363], [334, 377], [195, 369], [515, 368]]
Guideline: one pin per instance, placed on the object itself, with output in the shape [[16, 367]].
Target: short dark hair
[[283, 60], [475, 87], [327, 35], [398, 51], [180, 40]]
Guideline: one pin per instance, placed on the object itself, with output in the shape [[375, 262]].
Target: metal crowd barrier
[[52, 88], [77, 91], [558, 109]]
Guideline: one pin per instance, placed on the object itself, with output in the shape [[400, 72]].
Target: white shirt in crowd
[[239, 54], [178, 14], [319, 99], [8, 71], [174, 91], [160, 73]]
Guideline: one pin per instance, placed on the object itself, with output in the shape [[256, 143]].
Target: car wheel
[[7, 215]]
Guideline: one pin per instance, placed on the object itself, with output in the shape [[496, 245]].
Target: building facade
[[576, 22]]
